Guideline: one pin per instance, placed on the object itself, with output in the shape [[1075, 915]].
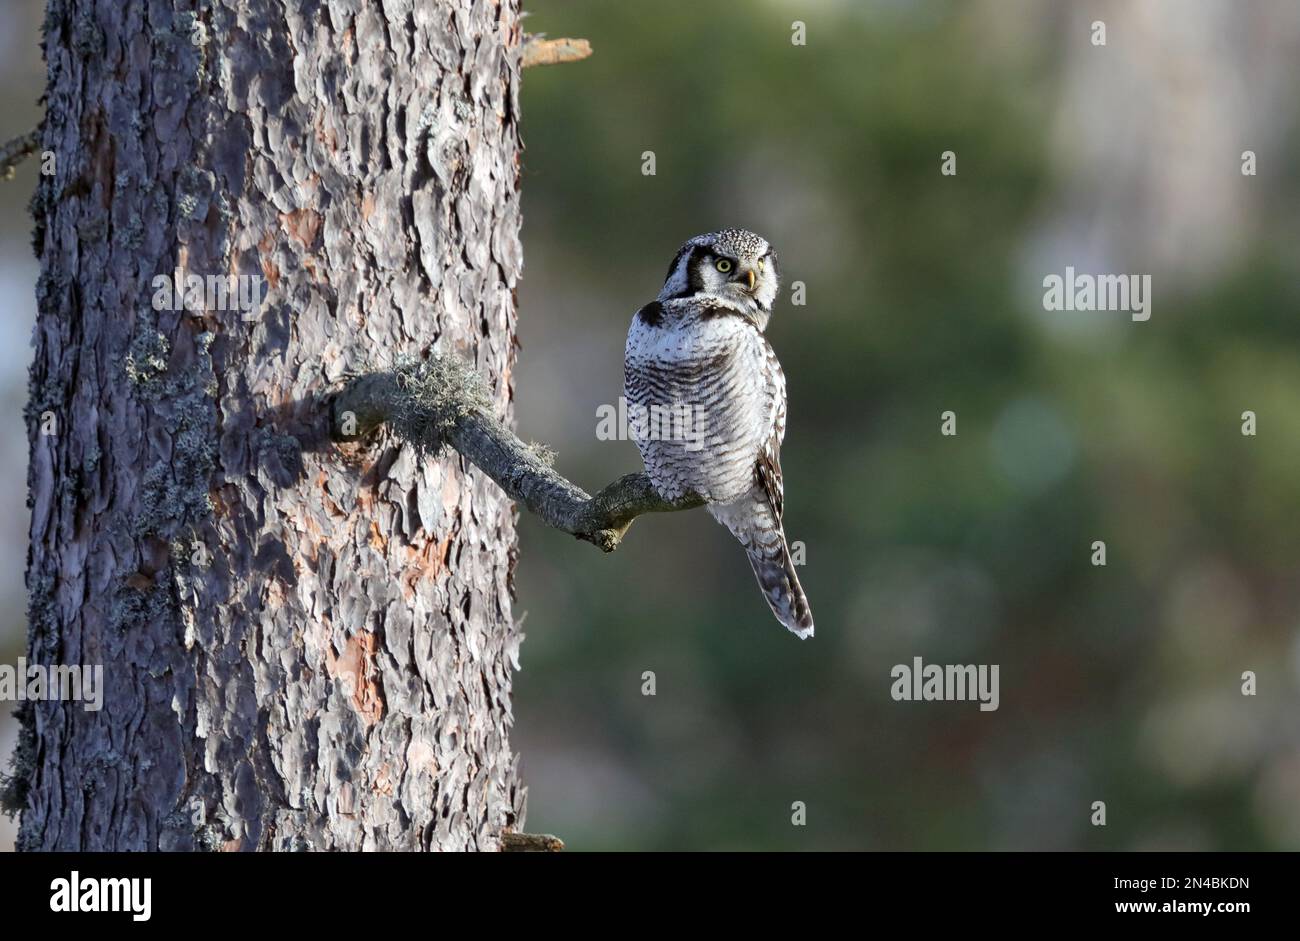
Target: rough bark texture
[[338, 674]]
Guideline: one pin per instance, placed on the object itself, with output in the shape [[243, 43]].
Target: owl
[[706, 400]]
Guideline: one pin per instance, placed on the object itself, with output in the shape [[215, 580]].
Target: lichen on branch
[[440, 401]]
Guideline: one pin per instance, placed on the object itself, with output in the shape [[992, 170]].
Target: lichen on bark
[[335, 671]]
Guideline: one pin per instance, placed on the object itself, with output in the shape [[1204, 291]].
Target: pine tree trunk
[[304, 646]]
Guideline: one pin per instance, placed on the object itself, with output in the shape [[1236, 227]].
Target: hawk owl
[[709, 396]]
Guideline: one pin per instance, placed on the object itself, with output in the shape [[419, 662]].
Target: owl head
[[734, 265]]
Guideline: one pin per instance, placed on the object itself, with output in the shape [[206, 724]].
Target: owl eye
[[760, 264], [723, 265]]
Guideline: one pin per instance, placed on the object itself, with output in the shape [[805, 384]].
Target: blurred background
[[924, 294]]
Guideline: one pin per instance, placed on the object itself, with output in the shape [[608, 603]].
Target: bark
[[302, 649]]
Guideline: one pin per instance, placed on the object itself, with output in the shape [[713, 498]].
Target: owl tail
[[781, 588], [752, 521]]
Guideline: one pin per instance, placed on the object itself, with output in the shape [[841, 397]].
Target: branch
[[16, 151], [541, 51], [530, 843], [441, 401]]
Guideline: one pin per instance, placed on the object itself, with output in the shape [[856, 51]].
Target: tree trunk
[[304, 646]]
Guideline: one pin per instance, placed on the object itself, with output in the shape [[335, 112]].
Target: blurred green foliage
[[1118, 683]]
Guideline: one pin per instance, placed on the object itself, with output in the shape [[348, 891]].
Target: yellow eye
[[723, 265], [760, 264]]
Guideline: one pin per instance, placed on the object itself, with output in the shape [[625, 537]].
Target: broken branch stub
[[16, 151], [541, 51]]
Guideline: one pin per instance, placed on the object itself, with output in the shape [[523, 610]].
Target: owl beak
[[753, 280]]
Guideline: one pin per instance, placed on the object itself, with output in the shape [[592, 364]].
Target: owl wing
[[638, 372], [768, 469]]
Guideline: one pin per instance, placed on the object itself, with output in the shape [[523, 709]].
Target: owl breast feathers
[[707, 400]]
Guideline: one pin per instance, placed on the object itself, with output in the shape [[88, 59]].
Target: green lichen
[[190, 553], [188, 204], [16, 785], [132, 234], [433, 395], [146, 360], [185, 42], [208, 838], [174, 491], [132, 608], [99, 767], [44, 396], [543, 452], [87, 38], [42, 619]]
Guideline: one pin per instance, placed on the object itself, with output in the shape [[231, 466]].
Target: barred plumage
[[699, 351]]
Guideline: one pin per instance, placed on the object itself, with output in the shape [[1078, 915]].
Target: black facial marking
[[694, 276], [651, 314], [676, 258]]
